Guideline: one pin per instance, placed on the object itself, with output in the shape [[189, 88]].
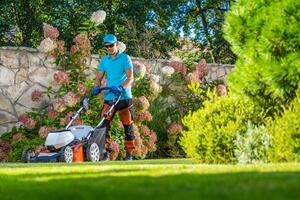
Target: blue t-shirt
[[114, 69]]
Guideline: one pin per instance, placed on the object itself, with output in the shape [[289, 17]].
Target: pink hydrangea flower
[[194, 76], [82, 40], [81, 89], [115, 149], [44, 131], [17, 137], [61, 77], [145, 130], [221, 90], [59, 105], [74, 49], [22, 118], [27, 121], [177, 65], [60, 49], [142, 104], [36, 95], [71, 99], [202, 68], [174, 128], [138, 141], [50, 31], [5, 148], [30, 123], [51, 112], [143, 116]]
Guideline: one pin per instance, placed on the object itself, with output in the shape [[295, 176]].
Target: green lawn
[[149, 179]]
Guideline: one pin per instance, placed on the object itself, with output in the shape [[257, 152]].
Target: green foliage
[[213, 128], [142, 87], [265, 36], [285, 133], [18, 147], [252, 146]]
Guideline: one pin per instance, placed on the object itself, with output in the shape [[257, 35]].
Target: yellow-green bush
[[285, 133], [213, 128]]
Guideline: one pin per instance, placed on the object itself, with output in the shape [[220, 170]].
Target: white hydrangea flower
[[47, 45], [155, 78], [167, 71], [155, 87], [175, 58], [122, 47], [139, 70], [98, 17]]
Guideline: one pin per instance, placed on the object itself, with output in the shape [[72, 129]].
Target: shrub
[[252, 146], [285, 133], [211, 130], [265, 36]]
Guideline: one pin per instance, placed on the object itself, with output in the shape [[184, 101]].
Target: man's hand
[[96, 90], [116, 89]]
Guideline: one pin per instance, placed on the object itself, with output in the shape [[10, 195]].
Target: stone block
[[21, 109], [21, 75], [42, 76], [221, 72], [6, 117], [10, 59], [24, 61], [50, 62], [15, 91], [7, 76], [3, 129], [5, 104], [34, 60], [213, 76]]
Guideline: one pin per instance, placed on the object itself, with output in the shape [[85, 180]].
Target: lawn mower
[[74, 143]]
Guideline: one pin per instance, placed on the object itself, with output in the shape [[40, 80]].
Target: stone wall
[[22, 70]]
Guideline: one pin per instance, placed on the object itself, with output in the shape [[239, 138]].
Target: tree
[[203, 20]]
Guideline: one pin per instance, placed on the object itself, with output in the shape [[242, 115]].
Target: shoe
[[128, 157], [106, 156]]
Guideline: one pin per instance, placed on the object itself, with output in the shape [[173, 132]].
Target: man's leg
[[107, 124], [126, 115]]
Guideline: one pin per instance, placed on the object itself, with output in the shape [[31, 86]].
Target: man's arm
[[99, 77], [128, 82]]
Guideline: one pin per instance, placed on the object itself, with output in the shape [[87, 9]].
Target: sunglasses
[[109, 45]]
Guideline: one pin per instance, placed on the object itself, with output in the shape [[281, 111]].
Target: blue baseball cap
[[110, 38]]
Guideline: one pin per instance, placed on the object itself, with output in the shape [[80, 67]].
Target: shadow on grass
[[186, 186]]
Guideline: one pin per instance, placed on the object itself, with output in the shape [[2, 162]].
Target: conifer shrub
[[264, 35]]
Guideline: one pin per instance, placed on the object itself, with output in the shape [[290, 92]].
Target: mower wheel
[[66, 154], [93, 152], [27, 155]]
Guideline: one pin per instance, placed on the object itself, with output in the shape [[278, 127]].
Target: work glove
[[116, 89], [84, 102], [96, 90]]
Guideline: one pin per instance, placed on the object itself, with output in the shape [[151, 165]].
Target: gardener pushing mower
[[118, 69]]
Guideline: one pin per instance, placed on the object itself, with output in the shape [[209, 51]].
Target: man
[[118, 69]]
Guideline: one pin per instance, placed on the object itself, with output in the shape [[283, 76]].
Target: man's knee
[[129, 135]]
